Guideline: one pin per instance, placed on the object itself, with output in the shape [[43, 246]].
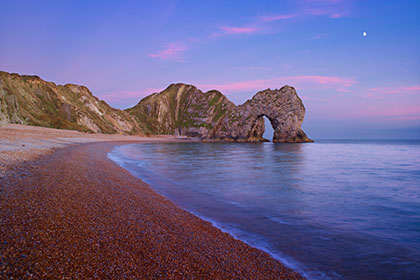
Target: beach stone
[[78, 215]]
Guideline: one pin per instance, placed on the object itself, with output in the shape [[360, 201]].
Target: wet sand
[[74, 214]]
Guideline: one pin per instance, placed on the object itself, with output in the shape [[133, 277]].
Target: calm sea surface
[[329, 210]]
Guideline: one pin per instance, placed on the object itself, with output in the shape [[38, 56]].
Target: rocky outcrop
[[31, 100], [185, 110], [180, 110], [282, 107]]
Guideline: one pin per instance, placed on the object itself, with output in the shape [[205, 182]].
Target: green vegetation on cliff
[[180, 109], [33, 101]]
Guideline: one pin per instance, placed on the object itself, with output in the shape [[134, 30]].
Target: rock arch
[[282, 107], [185, 110]]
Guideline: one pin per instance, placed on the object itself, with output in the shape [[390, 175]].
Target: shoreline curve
[[75, 213]]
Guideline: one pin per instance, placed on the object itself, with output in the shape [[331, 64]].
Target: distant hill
[[180, 109]]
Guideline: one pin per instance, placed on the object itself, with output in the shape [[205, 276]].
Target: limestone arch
[[282, 107]]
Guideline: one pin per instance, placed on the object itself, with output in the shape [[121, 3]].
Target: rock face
[[185, 110], [282, 107], [31, 100], [180, 110]]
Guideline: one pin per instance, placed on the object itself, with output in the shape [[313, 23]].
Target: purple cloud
[[339, 83], [400, 90], [269, 18], [230, 30], [173, 51]]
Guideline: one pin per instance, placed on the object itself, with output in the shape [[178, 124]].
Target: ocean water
[[329, 210]]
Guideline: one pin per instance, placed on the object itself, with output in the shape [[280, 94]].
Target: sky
[[355, 64]]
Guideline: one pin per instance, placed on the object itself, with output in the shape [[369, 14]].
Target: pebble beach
[[68, 212]]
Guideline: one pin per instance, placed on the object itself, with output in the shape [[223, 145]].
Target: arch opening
[[268, 129]]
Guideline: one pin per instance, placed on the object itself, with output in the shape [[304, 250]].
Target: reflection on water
[[331, 210]]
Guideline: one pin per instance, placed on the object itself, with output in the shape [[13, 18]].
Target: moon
[[364, 34]]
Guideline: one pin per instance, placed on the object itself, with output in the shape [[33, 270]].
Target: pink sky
[[124, 51]]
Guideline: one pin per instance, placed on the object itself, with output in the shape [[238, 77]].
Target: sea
[[333, 209]]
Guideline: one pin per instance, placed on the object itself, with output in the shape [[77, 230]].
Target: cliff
[[180, 109], [185, 110], [33, 101]]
